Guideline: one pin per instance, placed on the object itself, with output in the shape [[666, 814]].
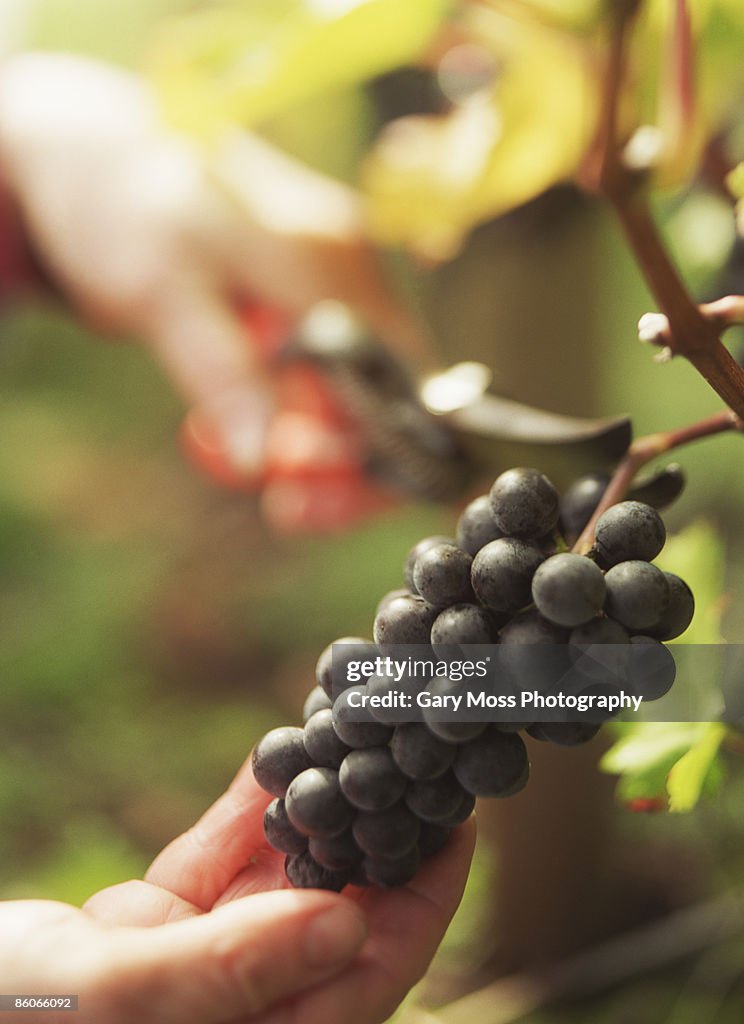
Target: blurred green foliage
[[151, 630]]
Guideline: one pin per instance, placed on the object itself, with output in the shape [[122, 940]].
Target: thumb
[[205, 349], [233, 962]]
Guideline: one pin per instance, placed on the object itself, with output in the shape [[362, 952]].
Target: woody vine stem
[[682, 328]]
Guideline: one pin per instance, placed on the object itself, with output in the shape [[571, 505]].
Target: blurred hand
[[212, 935], [149, 239]]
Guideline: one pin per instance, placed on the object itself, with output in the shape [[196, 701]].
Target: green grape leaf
[[430, 179], [244, 61], [688, 776], [646, 757]]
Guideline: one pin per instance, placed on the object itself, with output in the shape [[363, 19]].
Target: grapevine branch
[[691, 332], [683, 328], [643, 450]]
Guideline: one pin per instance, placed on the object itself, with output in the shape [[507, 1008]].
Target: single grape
[[463, 812], [629, 531], [338, 853], [494, 764], [355, 726], [392, 872], [679, 612], [502, 573], [568, 589], [525, 503], [331, 671], [476, 527], [599, 650], [278, 758], [315, 804], [637, 594], [433, 837], [441, 718], [442, 575], [280, 832], [579, 502], [463, 624], [419, 753], [388, 833], [530, 627], [390, 596], [434, 799], [564, 734], [324, 746], [404, 620], [371, 780], [652, 668], [316, 700], [415, 553], [304, 872]]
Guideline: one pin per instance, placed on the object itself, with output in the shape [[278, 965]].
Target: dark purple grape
[[278, 758], [629, 531], [404, 620], [419, 753], [530, 627], [315, 804], [441, 718], [388, 833], [331, 671], [525, 503], [494, 764], [338, 853], [434, 799], [599, 650], [463, 812], [568, 589], [324, 746], [652, 668], [415, 553], [390, 596], [316, 700], [304, 872], [280, 832], [392, 872], [442, 575], [433, 837], [679, 612], [355, 726], [637, 594], [502, 573], [464, 624], [476, 527], [579, 503], [371, 780], [564, 734]]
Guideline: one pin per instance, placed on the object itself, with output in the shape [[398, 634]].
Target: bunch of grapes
[[361, 797]]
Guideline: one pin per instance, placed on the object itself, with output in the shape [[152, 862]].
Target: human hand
[[147, 238], [213, 935]]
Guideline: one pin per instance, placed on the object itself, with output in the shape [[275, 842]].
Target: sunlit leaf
[[432, 178], [688, 776], [243, 61]]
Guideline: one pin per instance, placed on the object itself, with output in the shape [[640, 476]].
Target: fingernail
[[334, 936]]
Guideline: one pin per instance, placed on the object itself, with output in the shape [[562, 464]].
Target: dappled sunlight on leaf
[[431, 179], [241, 63]]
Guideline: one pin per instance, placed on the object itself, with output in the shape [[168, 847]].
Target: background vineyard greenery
[[150, 628]]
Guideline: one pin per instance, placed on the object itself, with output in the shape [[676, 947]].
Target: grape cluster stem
[[642, 451]]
